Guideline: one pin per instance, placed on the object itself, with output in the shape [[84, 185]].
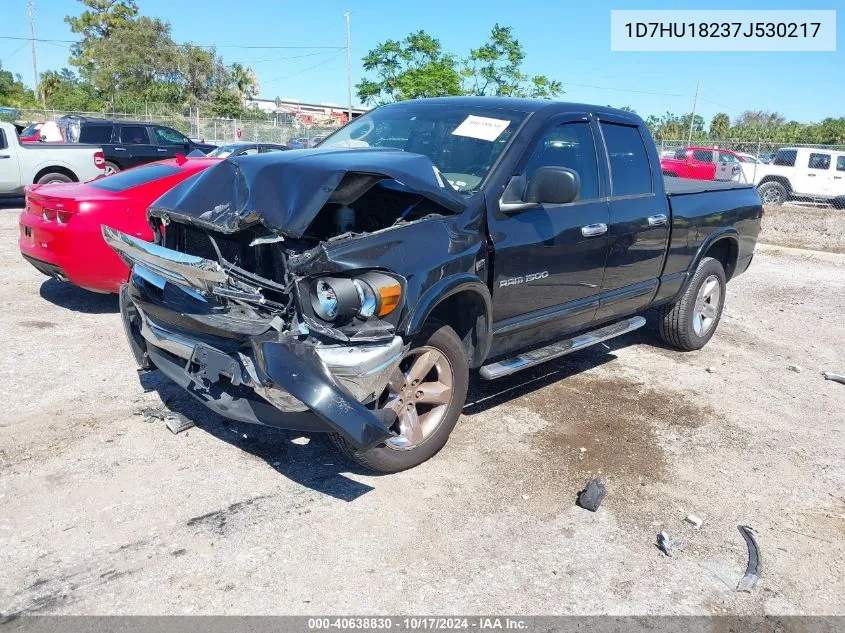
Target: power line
[[305, 70], [215, 46]]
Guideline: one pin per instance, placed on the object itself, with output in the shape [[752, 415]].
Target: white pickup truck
[[800, 173], [24, 164]]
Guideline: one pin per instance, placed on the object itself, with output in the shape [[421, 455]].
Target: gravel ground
[[106, 512], [805, 226]]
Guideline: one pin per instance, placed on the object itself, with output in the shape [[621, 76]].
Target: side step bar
[[561, 348]]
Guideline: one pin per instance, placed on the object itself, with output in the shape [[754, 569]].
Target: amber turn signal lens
[[390, 296]]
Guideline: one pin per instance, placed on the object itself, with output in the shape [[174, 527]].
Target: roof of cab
[[517, 103]]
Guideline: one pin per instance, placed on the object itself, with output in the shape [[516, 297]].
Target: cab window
[[840, 163], [166, 136], [569, 145], [703, 155], [630, 171], [134, 135], [724, 157], [819, 161]]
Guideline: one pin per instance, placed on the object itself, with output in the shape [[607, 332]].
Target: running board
[[561, 348]]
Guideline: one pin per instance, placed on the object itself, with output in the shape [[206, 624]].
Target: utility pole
[[692, 118], [32, 41], [348, 64]]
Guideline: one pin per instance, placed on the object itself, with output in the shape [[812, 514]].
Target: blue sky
[[565, 40]]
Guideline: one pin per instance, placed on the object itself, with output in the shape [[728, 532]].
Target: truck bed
[[684, 186]]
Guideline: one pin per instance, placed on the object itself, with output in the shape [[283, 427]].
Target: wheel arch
[[783, 180], [55, 169], [462, 302]]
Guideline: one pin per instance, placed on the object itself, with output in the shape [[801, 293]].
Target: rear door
[[838, 187], [10, 176], [703, 164], [549, 259], [819, 177], [639, 220], [134, 146]]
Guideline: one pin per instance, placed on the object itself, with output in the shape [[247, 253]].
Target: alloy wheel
[[420, 392], [707, 303]]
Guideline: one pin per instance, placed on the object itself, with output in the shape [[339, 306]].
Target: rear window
[[124, 180], [704, 155], [95, 134], [819, 161], [840, 163], [785, 157], [630, 171], [2, 140], [680, 154]]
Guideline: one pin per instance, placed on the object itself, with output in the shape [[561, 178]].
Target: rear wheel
[[772, 193], [111, 168], [54, 177], [691, 321], [427, 391]]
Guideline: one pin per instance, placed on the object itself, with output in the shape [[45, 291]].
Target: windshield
[[462, 141], [223, 151]]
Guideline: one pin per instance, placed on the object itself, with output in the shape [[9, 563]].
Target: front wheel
[[772, 193], [427, 391], [691, 321]]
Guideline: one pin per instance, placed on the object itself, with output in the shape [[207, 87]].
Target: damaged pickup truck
[[351, 288]]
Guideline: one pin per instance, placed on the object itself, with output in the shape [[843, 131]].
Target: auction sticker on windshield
[[481, 127]]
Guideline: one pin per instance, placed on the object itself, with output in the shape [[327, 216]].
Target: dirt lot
[[106, 512], [806, 226]]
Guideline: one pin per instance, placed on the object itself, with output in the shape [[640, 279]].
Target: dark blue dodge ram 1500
[[351, 288]]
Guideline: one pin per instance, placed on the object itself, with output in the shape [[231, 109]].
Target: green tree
[[495, 69], [413, 68], [720, 126], [14, 93], [244, 80]]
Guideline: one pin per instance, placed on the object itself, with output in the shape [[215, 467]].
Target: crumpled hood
[[285, 190]]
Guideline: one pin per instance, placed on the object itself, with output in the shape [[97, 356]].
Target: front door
[[838, 187], [10, 177], [169, 142], [549, 259], [639, 222]]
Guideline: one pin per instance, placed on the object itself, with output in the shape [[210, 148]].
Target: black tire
[[772, 193], [384, 459], [677, 321], [670, 174], [54, 176], [111, 168], [131, 326]]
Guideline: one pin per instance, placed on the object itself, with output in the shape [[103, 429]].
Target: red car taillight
[[63, 217], [99, 160]]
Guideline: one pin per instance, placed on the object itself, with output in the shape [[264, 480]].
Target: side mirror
[[553, 185]]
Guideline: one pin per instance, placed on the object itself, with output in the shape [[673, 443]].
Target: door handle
[[160, 149], [4, 156], [120, 149], [657, 219], [811, 175], [594, 230]]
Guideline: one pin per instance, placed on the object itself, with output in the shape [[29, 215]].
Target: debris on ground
[[710, 370], [666, 545], [694, 521], [755, 563], [829, 375], [796, 368], [592, 495], [177, 422]]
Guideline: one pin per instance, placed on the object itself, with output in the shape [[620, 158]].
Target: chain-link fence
[[265, 129]]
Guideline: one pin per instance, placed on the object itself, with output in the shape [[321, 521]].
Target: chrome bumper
[[362, 370]]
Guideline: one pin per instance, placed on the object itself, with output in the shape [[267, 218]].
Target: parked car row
[[351, 290], [791, 173]]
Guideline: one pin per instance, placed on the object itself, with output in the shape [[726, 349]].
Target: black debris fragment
[[590, 498], [755, 563], [177, 422]]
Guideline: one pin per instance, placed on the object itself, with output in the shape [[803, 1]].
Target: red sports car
[[60, 226]]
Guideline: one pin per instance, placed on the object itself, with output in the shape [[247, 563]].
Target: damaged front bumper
[[278, 378]]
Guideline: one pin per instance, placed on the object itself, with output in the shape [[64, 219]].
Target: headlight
[[370, 294]]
